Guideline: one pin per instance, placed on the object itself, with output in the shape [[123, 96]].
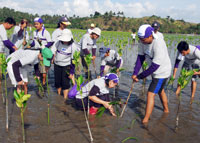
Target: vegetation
[[109, 21]]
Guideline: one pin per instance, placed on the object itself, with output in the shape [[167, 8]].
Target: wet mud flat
[[67, 124]]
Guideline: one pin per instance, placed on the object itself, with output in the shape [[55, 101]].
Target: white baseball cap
[[96, 31], [145, 31], [66, 35]]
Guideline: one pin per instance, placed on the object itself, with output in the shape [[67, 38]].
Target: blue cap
[[145, 31], [38, 19], [103, 50], [113, 77]]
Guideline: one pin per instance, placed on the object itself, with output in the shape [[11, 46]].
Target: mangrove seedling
[[129, 138], [21, 102], [102, 109], [144, 67], [80, 81], [183, 80], [39, 84], [88, 60], [3, 68], [76, 60]]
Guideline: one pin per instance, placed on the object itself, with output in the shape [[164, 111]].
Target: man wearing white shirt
[[156, 26]]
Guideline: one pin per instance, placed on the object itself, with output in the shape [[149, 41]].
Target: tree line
[[110, 21]]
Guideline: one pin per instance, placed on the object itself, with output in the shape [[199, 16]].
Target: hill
[[109, 21]]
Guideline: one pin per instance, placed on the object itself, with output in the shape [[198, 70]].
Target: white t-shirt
[[192, 58], [56, 33], [133, 35], [159, 34], [100, 83], [87, 42], [112, 58], [3, 37], [26, 57], [157, 52], [64, 53], [17, 41], [42, 35]]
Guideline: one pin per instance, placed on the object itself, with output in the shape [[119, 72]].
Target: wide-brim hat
[[66, 35]]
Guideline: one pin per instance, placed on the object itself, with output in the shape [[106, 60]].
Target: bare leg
[[59, 90], [163, 99], [193, 90], [65, 92], [149, 106], [44, 76]]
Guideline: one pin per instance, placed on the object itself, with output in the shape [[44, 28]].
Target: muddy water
[[67, 124]]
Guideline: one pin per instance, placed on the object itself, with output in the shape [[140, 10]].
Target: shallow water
[[67, 124]]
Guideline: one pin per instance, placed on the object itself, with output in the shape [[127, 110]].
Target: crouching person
[[21, 61], [109, 58], [96, 92]]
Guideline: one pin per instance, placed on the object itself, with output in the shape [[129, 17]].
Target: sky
[[177, 9]]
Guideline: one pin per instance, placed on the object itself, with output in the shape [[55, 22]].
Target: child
[[154, 50], [63, 67], [42, 36], [109, 58], [97, 91], [87, 43], [191, 56], [20, 63], [20, 35]]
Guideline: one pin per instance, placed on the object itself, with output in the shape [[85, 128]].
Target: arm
[[149, 71], [138, 64], [10, 45], [102, 70]]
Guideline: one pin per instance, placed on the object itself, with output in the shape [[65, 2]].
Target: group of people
[[40, 51]]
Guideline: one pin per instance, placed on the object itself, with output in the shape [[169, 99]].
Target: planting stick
[[86, 119], [93, 62], [6, 103], [48, 97], [127, 100], [177, 114], [22, 118], [3, 98]]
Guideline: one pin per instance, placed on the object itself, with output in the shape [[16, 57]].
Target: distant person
[[4, 41], [156, 26], [191, 57], [109, 58], [92, 26], [133, 35], [41, 36], [20, 34], [63, 66], [97, 91], [154, 51], [87, 43], [20, 62], [62, 24]]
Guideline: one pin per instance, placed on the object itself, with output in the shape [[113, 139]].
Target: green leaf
[[100, 112], [129, 138], [16, 95], [19, 104], [26, 97]]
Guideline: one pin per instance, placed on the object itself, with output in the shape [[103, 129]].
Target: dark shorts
[[157, 85], [85, 100], [61, 74]]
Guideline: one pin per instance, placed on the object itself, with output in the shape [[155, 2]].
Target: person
[[4, 41], [87, 43], [156, 26], [97, 91], [109, 58], [20, 62], [92, 26], [42, 36], [154, 51], [20, 34], [62, 24], [191, 57], [63, 66], [133, 35]]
